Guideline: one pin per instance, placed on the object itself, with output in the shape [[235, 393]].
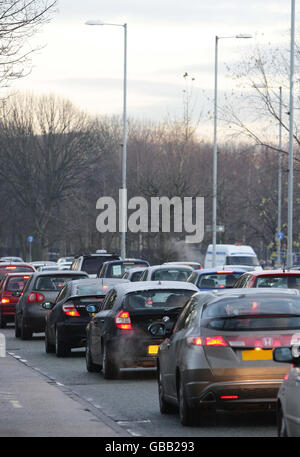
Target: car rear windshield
[[172, 274], [156, 299], [217, 280], [91, 265], [16, 284], [242, 260], [53, 282], [90, 289], [287, 281], [5, 270], [253, 313], [117, 270]]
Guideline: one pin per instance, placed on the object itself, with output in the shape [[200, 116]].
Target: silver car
[[288, 399]]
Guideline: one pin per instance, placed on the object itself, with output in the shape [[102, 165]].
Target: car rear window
[[253, 313], [242, 260], [91, 265], [53, 282], [16, 284], [287, 281], [217, 280], [172, 274], [9, 269], [117, 270], [156, 299], [90, 289]]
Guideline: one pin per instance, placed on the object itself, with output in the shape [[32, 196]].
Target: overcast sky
[[166, 38]]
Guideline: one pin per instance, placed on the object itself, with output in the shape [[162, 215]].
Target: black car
[[124, 332], [40, 288], [68, 317], [219, 354]]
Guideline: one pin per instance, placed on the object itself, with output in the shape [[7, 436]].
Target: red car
[[11, 288], [6, 267], [288, 279]]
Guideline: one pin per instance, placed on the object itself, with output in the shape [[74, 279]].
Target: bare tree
[[19, 21]]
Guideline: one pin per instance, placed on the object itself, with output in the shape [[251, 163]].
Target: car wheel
[[49, 348], [26, 333], [61, 349], [17, 328], [109, 367], [186, 413], [281, 425], [90, 365], [2, 322], [164, 406]]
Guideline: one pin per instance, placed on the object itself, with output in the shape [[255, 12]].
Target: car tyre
[[26, 333], [49, 347], [109, 367], [90, 365], [186, 413], [281, 425], [2, 322], [61, 349], [164, 406], [17, 328]]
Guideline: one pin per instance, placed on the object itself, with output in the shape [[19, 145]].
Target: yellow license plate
[[153, 350], [258, 354]]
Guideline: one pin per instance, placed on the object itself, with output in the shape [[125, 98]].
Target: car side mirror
[[48, 305], [93, 308], [16, 294], [161, 329], [287, 354]]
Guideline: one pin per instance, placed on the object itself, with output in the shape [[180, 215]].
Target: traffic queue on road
[[220, 338]]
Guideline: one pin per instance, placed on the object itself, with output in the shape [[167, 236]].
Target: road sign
[[30, 239], [279, 235]]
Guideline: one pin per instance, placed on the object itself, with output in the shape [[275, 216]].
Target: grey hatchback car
[[42, 287], [219, 354]]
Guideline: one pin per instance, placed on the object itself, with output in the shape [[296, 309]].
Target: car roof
[[222, 269], [150, 285], [15, 264], [60, 272], [19, 273], [248, 291], [126, 260], [169, 267], [275, 272]]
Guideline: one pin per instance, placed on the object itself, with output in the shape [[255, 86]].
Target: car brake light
[[122, 320], [70, 310], [229, 397], [5, 300], [34, 297], [207, 341]]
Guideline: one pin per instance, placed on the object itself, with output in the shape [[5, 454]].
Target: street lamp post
[[291, 120], [124, 139], [215, 151]]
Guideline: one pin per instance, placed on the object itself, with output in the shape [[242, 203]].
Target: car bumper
[[234, 395], [73, 333], [135, 352]]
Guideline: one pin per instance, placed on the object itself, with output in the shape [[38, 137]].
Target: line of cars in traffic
[[215, 345]]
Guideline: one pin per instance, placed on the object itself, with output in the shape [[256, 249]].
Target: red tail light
[[5, 300], [122, 320], [70, 310], [35, 297], [207, 341]]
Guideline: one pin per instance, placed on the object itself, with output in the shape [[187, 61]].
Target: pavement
[[31, 405]]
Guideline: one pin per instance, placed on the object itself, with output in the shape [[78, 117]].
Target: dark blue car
[[116, 268], [215, 278]]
